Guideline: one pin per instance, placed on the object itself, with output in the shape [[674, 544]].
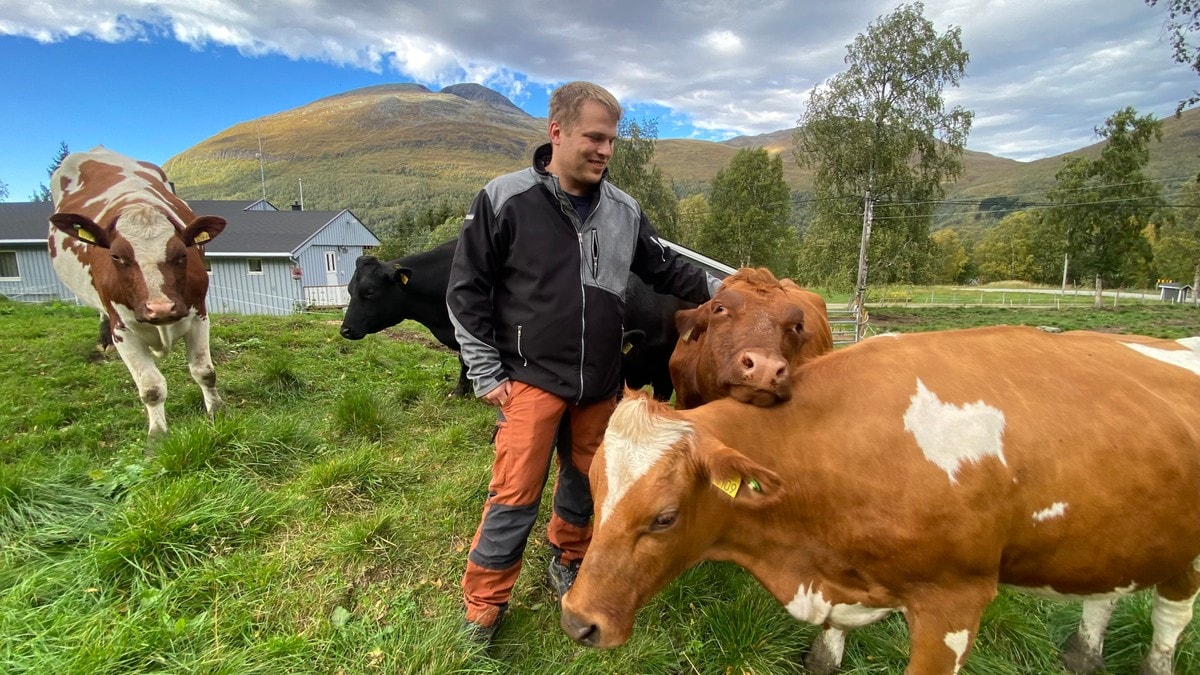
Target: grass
[[321, 523]]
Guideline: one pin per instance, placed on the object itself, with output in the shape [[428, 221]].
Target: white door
[[331, 276]]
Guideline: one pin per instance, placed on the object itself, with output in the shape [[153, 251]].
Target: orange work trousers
[[530, 423]]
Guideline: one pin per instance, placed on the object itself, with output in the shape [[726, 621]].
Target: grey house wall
[[38, 282], [345, 237], [233, 289]]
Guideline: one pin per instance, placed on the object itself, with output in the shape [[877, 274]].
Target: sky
[[152, 79]]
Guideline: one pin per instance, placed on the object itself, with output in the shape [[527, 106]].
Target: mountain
[[380, 149]]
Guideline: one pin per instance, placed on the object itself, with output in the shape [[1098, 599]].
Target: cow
[[747, 339], [127, 246], [382, 294], [914, 474]]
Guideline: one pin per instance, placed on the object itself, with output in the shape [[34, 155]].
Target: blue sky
[[151, 80]]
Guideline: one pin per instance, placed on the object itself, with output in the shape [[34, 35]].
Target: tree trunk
[[1099, 292], [1196, 286]]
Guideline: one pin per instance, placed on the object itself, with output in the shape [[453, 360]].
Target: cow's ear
[[691, 323], [745, 481], [632, 341], [202, 230], [402, 274], [81, 228]]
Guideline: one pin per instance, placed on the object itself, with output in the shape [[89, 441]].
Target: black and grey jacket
[[536, 296]]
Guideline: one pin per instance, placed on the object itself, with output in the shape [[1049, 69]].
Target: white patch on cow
[[891, 334], [633, 443], [1187, 359], [810, 605], [1192, 343], [148, 233], [1196, 564], [950, 435], [1055, 510], [957, 642]]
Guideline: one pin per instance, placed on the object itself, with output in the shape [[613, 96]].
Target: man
[[536, 296]]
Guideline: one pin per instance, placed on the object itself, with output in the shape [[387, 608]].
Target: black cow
[[382, 294]]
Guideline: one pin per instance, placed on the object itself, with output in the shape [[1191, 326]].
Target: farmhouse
[[267, 261]]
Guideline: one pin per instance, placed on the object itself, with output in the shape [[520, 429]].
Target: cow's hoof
[[1079, 660], [820, 662]]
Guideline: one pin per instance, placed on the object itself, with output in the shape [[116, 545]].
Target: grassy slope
[[378, 149], [321, 524]]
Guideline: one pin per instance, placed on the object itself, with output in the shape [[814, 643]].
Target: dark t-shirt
[[583, 204]]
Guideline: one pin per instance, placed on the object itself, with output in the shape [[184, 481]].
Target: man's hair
[[567, 100]]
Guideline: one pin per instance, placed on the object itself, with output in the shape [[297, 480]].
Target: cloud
[[1042, 74]]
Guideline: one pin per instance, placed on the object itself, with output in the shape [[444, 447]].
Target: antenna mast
[[301, 181], [262, 176]]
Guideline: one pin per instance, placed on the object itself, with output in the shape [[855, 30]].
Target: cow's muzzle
[[580, 629], [351, 334]]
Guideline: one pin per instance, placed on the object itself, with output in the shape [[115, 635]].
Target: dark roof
[[25, 220], [260, 231], [247, 232]]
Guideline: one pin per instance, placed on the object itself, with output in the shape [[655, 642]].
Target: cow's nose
[[347, 333], [580, 630], [160, 311], [762, 367]]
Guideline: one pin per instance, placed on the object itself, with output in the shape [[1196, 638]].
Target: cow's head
[[665, 493], [377, 297], [157, 269], [745, 341]]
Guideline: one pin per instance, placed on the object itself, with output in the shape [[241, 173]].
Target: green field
[[320, 525]]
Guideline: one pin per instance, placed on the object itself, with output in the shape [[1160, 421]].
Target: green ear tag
[[754, 485], [84, 235], [730, 486]]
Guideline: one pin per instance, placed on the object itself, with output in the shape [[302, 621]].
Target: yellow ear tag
[[730, 486], [626, 347], [687, 336], [202, 237], [403, 278], [84, 235]]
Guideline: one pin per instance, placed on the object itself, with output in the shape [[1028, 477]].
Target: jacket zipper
[[595, 253], [519, 353], [582, 321]]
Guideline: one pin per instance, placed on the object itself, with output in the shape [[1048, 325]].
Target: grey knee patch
[[503, 536]]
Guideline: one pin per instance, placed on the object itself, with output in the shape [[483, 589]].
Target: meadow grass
[[321, 523]]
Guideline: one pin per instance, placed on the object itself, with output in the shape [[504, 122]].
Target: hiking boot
[[480, 633], [561, 577]]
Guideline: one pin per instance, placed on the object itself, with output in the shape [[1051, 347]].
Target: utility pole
[[262, 175], [860, 287]]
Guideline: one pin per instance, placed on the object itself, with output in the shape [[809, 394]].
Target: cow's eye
[[367, 293], [719, 309], [664, 520], [798, 328], [118, 259]]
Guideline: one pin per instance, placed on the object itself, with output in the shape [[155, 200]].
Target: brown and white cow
[[126, 245], [915, 474], [746, 341]]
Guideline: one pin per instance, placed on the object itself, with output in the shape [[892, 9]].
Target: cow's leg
[[151, 385], [201, 366], [1084, 652], [1172, 613], [463, 388], [825, 655], [942, 624], [104, 341]]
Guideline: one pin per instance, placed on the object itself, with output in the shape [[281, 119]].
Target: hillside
[[377, 149]]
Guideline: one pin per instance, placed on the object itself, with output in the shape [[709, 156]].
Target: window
[[8, 265], [254, 265], [330, 262], [208, 265]]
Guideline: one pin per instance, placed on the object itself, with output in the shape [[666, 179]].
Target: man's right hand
[[498, 396]]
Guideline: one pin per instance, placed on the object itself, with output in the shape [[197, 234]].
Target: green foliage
[[630, 169], [748, 225], [881, 128], [694, 214], [1176, 247], [1009, 250], [42, 192], [1103, 204], [949, 258], [3, 190]]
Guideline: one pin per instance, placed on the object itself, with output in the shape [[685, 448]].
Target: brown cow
[[126, 245], [747, 339], [915, 474]]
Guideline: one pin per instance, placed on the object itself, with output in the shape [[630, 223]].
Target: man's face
[[582, 152]]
